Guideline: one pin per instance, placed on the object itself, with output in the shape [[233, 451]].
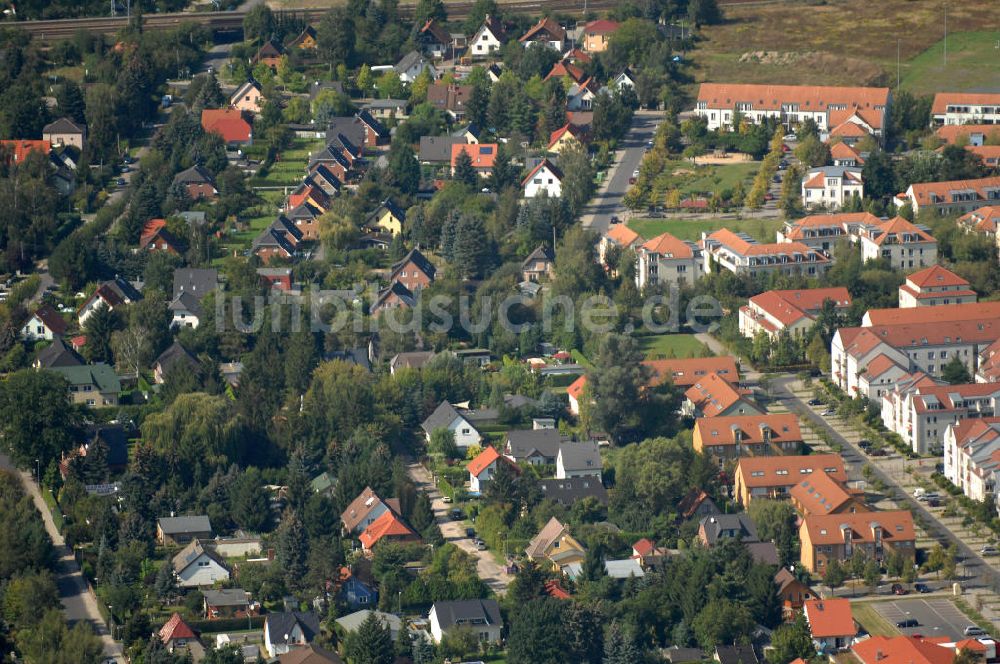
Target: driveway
[[607, 202], [79, 602], [454, 532], [977, 571]]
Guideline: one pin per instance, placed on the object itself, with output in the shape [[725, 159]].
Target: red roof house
[[229, 123], [176, 633], [387, 527]]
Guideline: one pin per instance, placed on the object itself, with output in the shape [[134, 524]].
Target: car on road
[[898, 589], [865, 444], [879, 452], [989, 550], [615, 220], [470, 533], [828, 412], [480, 545], [649, 143], [789, 137], [125, 169], [921, 588], [456, 514], [815, 402], [768, 197], [126, 159], [973, 630], [930, 495], [446, 499], [121, 182], [908, 622], [777, 178]]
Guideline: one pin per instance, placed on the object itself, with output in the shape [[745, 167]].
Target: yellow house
[[554, 548], [388, 218], [564, 137], [306, 39], [247, 97]]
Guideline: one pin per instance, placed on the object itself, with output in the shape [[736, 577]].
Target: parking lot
[[936, 617]]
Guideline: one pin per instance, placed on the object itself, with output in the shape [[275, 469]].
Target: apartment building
[[714, 396], [984, 220], [666, 260], [827, 537], [741, 254], [935, 286], [621, 238], [822, 231], [772, 476], [793, 311], [685, 372], [959, 108], [821, 494], [832, 186], [731, 438], [952, 197], [941, 313], [921, 414], [829, 107], [972, 456], [903, 244], [971, 134]]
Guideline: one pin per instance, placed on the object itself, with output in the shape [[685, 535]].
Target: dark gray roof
[[196, 174], [764, 553], [409, 60], [736, 655], [191, 553], [58, 354], [115, 437], [580, 456], [63, 126], [412, 359], [124, 289], [442, 416], [186, 301], [319, 86], [351, 128], [176, 525], [468, 612], [225, 597], [358, 356], [193, 217], [171, 356], [518, 401], [524, 442], [729, 525], [397, 288], [280, 624], [542, 253], [330, 154], [568, 492], [437, 149], [197, 281], [419, 260], [676, 655]]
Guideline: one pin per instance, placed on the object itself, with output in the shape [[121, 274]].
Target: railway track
[[232, 21]]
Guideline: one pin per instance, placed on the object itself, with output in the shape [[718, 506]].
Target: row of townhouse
[[972, 456], [953, 196], [903, 244], [791, 311], [921, 411], [960, 108], [741, 254]]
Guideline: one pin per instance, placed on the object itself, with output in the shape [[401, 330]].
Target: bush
[[227, 624]]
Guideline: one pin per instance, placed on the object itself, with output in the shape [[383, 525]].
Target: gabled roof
[[433, 29], [21, 148], [691, 501], [601, 27], [820, 494], [438, 148], [228, 123], [786, 470], [524, 443], [541, 253], [549, 533], [387, 525], [197, 281], [713, 395], [311, 654], [51, 319], [241, 91], [467, 611], [936, 277], [361, 507], [100, 375], [483, 155], [576, 388], [725, 525], [419, 260], [307, 32], [811, 98], [176, 628], [186, 301], [170, 358], [902, 650], [781, 427], [783, 578], [64, 125], [544, 27], [283, 623], [544, 163], [942, 100], [404, 294], [622, 235], [194, 175], [824, 529], [483, 460], [685, 372], [977, 188], [494, 26], [668, 246], [933, 316], [57, 354], [441, 418], [410, 60], [951, 133], [563, 69], [842, 150], [790, 306], [582, 455], [225, 597], [191, 553], [743, 246], [830, 617], [568, 492], [179, 525], [848, 129]]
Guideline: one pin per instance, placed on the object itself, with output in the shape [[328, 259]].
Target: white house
[[481, 616], [958, 108], [935, 286], [45, 323], [248, 97], [578, 459], [668, 260], [412, 65], [741, 254], [626, 79], [185, 311], [545, 178], [288, 631], [581, 96], [484, 467], [488, 39], [197, 566], [446, 416], [831, 186], [111, 294], [921, 415], [793, 311], [547, 33], [972, 456], [900, 242]]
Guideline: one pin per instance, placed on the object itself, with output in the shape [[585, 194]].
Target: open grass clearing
[[763, 230], [704, 179], [664, 346], [973, 65]]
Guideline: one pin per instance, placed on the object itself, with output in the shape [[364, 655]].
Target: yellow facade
[[389, 222]]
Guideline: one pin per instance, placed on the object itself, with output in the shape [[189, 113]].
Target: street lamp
[[38, 472], [111, 614]]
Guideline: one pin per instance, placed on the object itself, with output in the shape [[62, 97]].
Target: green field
[[763, 230], [705, 178], [670, 345], [290, 167], [973, 64]]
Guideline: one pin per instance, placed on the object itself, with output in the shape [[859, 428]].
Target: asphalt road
[[977, 571], [608, 200], [454, 532], [936, 617], [79, 603]]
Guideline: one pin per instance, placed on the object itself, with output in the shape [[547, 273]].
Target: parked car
[[898, 589], [879, 452], [456, 514], [989, 550], [789, 137], [615, 219], [481, 545], [768, 197], [446, 499], [828, 412], [815, 402], [921, 588], [865, 444], [125, 169], [933, 502], [973, 630], [909, 622], [931, 495], [121, 182], [470, 533]]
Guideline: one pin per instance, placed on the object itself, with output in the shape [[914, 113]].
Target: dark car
[[897, 589], [470, 532], [909, 622], [879, 452], [864, 444], [456, 514], [615, 220], [121, 182], [814, 402], [921, 588]]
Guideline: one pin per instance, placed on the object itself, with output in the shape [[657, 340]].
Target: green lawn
[[703, 179], [973, 63], [691, 229], [291, 166], [670, 345]]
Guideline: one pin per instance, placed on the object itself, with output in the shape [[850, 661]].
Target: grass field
[[848, 42], [670, 345], [706, 178], [291, 167], [761, 229], [973, 64]]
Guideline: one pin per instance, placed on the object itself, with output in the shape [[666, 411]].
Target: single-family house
[[554, 548], [365, 509], [387, 217], [539, 265], [434, 39], [309, 654], [269, 54], [481, 616], [581, 96], [414, 271], [173, 358], [412, 65], [395, 296], [831, 623], [231, 124], [437, 149], [832, 186], [389, 527], [533, 446], [46, 324], [490, 37], [545, 33], [180, 530], [197, 566], [696, 503], [446, 416], [226, 603], [569, 492], [484, 467], [177, 634], [844, 154], [355, 591], [114, 293], [597, 35], [57, 354], [247, 97], [286, 631], [578, 459], [306, 40], [94, 385], [353, 621], [155, 236], [792, 592], [388, 109], [566, 136], [65, 131], [717, 527], [545, 179]]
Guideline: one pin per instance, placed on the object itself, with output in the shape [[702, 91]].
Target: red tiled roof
[[387, 525], [763, 471], [572, 129], [719, 430], [483, 460], [737, 244], [935, 277], [575, 388], [844, 151], [545, 25], [902, 650], [790, 306], [810, 98], [601, 27], [623, 235], [553, 589], [879, 366], [944, 99], [176, 628], [985, 220], [848, 130], [830, 617], [150, 229], [922, 190], [823, 529], [21, 148], [946, 313], [669, 246], [945, 396], [685, 372], [228, 123], [483, 155], [951, 133], [897, 227], [563, 69], [713, 395]]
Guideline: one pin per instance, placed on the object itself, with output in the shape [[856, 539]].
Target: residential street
[[454, 532], [607, 202], [979, 573], [79, 603]]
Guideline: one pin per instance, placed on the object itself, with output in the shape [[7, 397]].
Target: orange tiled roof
[[737, 244], [985, 220], [176, 628], [385, 526], [685, 372], [623, 235], [21, 148], [830, 617], [562, 69], [719, 430], [944, 99], [819, 494], [669, 246], [989, 154], [229, 123], [844, 151], [764, 470], [898, 226], [713, 395], [483, 155], [810, 98], [790, 306], [902, 650], [150, 229], [575, 388], [922, 190], [879, 366], [944, 397], [849, 130], [947, 313], [896, 525], [935, 277], [483, 460], [951, 133]]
